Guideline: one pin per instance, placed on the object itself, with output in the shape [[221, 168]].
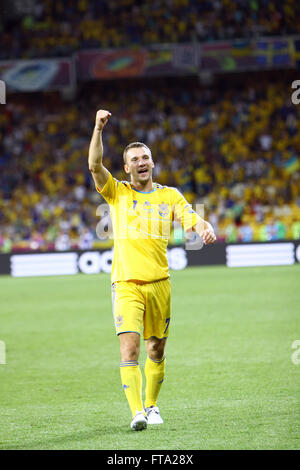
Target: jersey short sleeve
[[109, 190], [183, 211]]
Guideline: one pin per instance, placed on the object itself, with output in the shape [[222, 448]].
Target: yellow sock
[[131, 377], [155, 373]]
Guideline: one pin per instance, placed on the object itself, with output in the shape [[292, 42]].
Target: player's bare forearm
[[96, 151], [206, 231], [99, 172]]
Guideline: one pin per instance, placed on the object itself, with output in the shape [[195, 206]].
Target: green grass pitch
[[230, 380]]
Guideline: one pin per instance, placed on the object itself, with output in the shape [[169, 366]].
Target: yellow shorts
[[146, 307]]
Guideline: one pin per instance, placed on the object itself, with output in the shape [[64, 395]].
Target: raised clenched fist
[[102, 117]]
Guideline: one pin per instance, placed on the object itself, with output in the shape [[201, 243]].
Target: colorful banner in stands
[[38, 74], [140, 62], [151, 61], [242, 55], [184, 59], [96, 261]]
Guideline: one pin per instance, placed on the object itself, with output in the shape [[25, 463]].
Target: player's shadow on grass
[[94, 434]]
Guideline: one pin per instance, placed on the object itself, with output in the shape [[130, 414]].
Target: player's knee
[[156, 349], [156, 354]]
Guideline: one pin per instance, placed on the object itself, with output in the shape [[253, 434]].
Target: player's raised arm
[[99, 172]]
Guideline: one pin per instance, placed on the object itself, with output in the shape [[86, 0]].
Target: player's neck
[[144, 188]]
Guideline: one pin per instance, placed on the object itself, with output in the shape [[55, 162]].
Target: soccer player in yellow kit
[[142, 213]]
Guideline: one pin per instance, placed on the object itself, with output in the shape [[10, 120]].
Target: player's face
[[139, 164]]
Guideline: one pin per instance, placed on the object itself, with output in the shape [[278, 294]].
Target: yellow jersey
[[142, 224]]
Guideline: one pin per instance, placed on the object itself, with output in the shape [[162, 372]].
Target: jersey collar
[[145, 192]]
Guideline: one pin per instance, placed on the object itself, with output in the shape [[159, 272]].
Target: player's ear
[[126, 168]]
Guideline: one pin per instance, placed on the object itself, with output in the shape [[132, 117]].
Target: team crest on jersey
[[119, 321], [163, 210], [147, 206]]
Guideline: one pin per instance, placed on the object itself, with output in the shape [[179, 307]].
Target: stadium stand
[[59, 28], [233, 147]]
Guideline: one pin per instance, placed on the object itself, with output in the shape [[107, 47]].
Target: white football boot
[[139, 421], [153, 415]]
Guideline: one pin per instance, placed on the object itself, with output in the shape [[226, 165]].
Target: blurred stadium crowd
[[234, 148], [61, 27]]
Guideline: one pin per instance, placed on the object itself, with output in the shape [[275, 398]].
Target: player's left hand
[[208, 236]]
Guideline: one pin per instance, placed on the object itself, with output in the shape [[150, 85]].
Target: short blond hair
[[132, 146]]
